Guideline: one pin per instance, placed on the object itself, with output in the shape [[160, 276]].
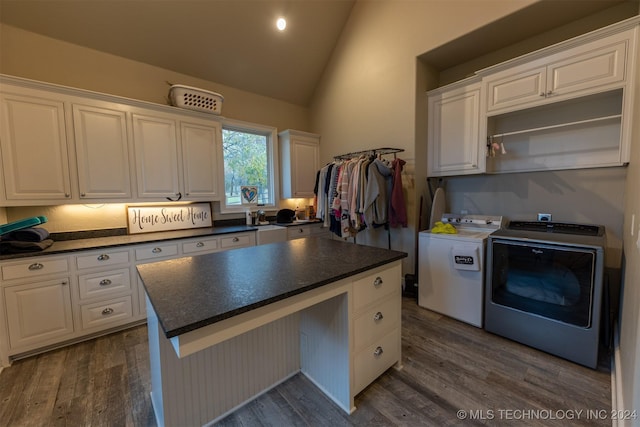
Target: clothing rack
[[373, 152]]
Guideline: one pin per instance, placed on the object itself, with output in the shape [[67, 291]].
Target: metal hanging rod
[[373, 152]]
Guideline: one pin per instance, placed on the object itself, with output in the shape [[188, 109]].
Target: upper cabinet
[[60, 145], [454, 130], [156, 150], [102, 152], [583, 70], [201, 143], [33, 141], [299, 162], [567, 106], [175, 159]]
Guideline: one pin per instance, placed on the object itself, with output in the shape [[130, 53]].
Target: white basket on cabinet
[[196, 99]]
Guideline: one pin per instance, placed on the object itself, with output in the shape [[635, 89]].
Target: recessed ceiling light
[[281, 23]]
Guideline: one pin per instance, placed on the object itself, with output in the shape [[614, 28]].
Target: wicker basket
[[196, 99]]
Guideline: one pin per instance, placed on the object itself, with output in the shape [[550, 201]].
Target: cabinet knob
[[378, 351], [199, 244], [377, 282], [107, 311], [378, 316], [300, 230], [67, 195], [83, 195], [105, 282], [36, 266], [156, 250], [542, 94], [549, 93], [103, 257]]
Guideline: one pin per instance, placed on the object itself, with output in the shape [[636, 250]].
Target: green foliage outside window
[[245, 163]]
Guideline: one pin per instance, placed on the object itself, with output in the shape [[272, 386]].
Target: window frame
[[271, 133]]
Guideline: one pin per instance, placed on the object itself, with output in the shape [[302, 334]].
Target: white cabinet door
[[515, 89], [454, 146], [33, 140], [102, 151], [580, 71], [156, 151], [38, 313], [200, 150], [300, 158]]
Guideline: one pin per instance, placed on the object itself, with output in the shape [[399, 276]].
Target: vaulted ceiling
[[235, 42]]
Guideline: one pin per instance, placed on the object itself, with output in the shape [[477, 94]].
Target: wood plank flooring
[[448, 367]]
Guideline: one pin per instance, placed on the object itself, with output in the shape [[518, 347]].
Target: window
[[248, 152]]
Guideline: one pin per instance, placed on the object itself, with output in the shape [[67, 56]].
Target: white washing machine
[[451, 267]]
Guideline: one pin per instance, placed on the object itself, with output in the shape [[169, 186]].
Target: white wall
[[372, 95]]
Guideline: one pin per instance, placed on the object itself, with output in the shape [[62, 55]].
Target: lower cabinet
[[38, 313], [47, 301], [377, 306]]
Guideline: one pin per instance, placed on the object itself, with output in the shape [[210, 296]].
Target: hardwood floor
[[448, 367]]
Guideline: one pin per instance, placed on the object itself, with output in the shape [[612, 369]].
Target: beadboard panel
[[211, 383], [325, 348]]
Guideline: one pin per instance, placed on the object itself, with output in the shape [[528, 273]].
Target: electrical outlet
[[544, 217]]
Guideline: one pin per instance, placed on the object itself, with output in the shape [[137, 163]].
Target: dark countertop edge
[[66, 246], [206, 322]]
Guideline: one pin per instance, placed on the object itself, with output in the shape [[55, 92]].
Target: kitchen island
[[227, 326]]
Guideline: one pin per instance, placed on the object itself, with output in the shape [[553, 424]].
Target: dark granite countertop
[[191, 292], [64, 246]]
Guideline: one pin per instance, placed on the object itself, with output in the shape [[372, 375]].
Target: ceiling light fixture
[[281, 23]]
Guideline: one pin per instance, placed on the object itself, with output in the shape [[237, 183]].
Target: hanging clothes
[[398, 208], [360, 192]]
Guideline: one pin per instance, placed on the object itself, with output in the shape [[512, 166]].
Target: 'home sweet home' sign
[[146, 219]]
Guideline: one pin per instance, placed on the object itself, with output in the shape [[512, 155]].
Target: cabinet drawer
[[118, 310], [104, 283], [371, 362], [156, 251], [298, 232], [238, 241], [202, 245], [376, 285], [34, 267], [376, 322], [102, 259]]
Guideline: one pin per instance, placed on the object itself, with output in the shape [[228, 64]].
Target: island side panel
[[324, 348], [207, 385]]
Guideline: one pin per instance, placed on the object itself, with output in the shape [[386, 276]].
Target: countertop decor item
[[147, 219]]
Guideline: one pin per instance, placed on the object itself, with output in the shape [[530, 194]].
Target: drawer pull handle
[[103, 257], [107, 311], [105, 282], [378, 351], [377, 282], [199, 244], [156, 250], [36, 266], [235, 239], [378, 316], [300, 230]]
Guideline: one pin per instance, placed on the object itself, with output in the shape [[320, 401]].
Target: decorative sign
[[249, 194], [147, 219]]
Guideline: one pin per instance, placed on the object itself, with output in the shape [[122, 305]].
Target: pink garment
[[398, 210]]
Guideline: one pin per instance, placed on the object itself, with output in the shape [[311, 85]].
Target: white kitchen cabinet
[[102, 152], [376, 326], [582, 70], [33, 141], [454, 142], [201, 145], [156, 150], [38, 313], [172, 168], [299, 162], [315, 229]]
